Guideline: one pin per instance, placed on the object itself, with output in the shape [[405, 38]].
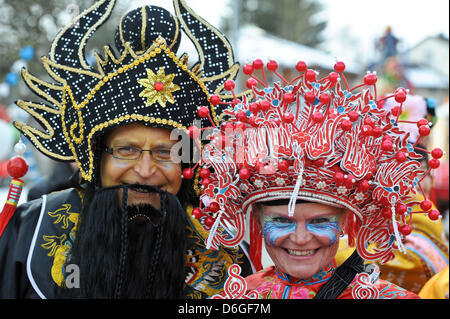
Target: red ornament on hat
[[17, 167]]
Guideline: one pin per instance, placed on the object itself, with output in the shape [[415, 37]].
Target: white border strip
[[33, 243]]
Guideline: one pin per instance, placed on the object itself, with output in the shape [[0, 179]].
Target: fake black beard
[[139, 254]]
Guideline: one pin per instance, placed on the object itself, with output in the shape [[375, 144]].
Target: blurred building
[[428, 67]]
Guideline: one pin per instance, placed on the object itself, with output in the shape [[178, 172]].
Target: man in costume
[[124, 230], [312, 159]]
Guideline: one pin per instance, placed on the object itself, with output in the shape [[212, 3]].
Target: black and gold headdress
[[146, 82]]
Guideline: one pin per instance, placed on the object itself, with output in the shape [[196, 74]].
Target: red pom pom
[[395, 110], [188, 173], [301, 66], [370, 79], [437, 153], [346, 125], [203, 111], [248, 69], [434, 214], [194, 132], [204, 173], [283, 165], [426, 205], [214, 99], [214, 207], [251, 83], [333, 77], [338, 178], [272, 65], [17, 167], [229, 85], [310, 75], [434, 163], [209, 221], [377, 131], [339, 67], [386, 145], [325, 98], [400, 157], [241, 116], [206, 181], [244, 173], [400, 208], [288, 117], [400, 95], [367, 130], [254, 107], [424, 130], [258, 64], [422, 122], [364, 186], [405, 229], [197, 213], [288, 98], [317, 117], [353, 116], [310, 96]]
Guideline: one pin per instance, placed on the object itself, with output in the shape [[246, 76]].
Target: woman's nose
[[301, 235]]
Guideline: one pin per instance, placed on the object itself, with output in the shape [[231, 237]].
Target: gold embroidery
[[60, 246], [62, 214], [158, 87], [53, 243]]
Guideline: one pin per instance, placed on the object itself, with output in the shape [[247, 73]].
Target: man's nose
[[145, 166]]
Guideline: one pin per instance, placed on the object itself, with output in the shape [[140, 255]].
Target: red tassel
[[16, 167], [255, 244], [15, 189]]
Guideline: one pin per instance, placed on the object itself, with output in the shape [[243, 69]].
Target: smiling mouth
[[294, 252]]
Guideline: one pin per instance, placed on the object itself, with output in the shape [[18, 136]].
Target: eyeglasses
[[132, 153]]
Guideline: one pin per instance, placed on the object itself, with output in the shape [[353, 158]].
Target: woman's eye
[[282, 220], [320, 220]]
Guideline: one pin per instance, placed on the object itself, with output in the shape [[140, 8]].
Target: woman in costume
[[124, 225], [310, 160]]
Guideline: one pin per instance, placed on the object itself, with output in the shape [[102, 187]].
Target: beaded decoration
[[148, 83], [317, 140]]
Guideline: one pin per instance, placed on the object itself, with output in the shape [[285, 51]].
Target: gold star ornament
[[158, 87]]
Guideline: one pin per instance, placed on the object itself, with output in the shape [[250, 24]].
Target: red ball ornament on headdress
[[339, 66], [437, 153], [203, 111], [248, 69], [214, 99], [434, 214], [301, 66], [188, 173]]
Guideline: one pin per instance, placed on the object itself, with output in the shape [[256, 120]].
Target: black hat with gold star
[[146, 82]]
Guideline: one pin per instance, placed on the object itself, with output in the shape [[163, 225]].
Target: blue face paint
[[324, 227], [276, 227]]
